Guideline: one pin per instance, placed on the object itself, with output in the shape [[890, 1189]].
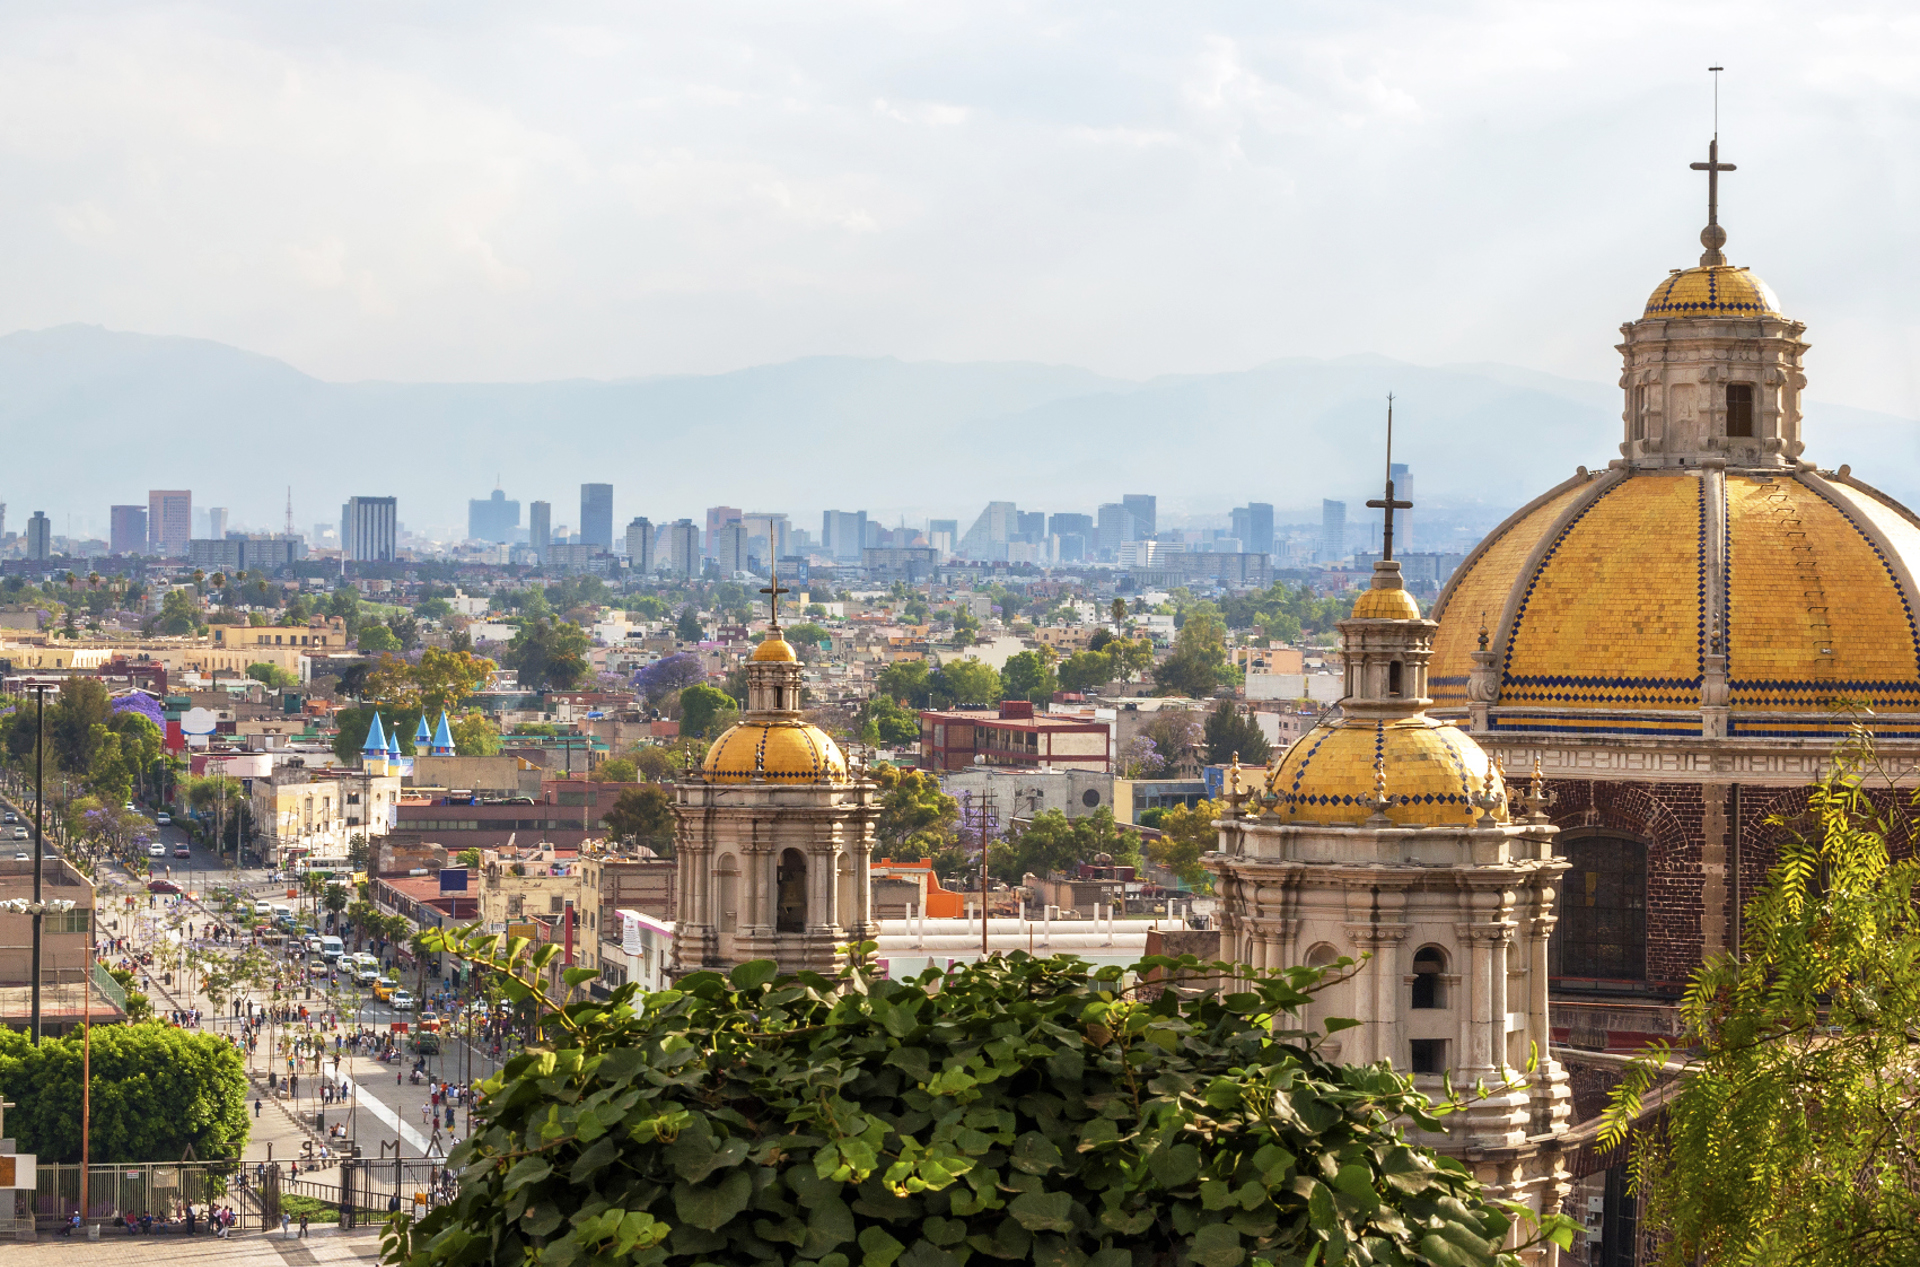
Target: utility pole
[[39, 846]]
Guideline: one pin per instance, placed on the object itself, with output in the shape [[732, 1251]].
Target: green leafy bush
[[1023, 1109]]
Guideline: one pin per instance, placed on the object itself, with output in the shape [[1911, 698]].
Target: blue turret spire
[[442, 737], [421, 734], [376, 744]]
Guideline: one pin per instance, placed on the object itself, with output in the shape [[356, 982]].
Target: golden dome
[[779, 751], [1386, 604], [1433, 772], [1717, 290], [774, 648], [1611, 628]]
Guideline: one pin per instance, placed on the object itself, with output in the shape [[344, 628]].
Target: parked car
[[163, 818], [156, 850]]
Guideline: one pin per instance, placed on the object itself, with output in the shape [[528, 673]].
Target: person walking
[[303, 1226]]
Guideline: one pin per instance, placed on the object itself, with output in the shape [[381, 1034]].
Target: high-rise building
[[988, 537], [370, 529], [596, 515], [769, 536], [216, 522], [540, 528], [1333, 530], [1402, 519], [683, 548], [640, 545], [1064, 525], [1032, 525], [843, 533], [1114, 527], [730, 548], [169, 522], [1144, 509], [1253, 525], [39, 537], [492, 519], [3, 521], [127, 530], [718, 517]]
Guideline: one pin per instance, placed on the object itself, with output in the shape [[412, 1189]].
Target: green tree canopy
[[967, 682], [179, 614], [886, 723], [1199, 659], [705, 710], [548, 655], [1230, 731], [908, 681], [272, 675], [1030, 676], [374, 636], [917, 820], [475, 735], [1186, 833], [1083, 669], [643, 816], [1052, 842], [687, 628]]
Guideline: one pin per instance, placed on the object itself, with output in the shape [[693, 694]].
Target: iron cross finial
[[1387, 503], [1713, 237], [773, 591]]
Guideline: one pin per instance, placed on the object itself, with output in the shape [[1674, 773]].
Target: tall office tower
[[1402, 519], [988, 537], [1070, 525], [769, 536], [169, 522], [843, 533], [596, 515], [370, 530], [127, 530], [3, 521], [1143, 508], [718, 517], [1113, 525], [540, 528], [217, 523], [492, 519], [39, 537], [1333, 530], [1253, 526], [730, 548], [683, 548], [640, 545], [1032, 525]]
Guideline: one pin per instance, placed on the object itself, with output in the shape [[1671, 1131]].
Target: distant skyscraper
[[988, 537], [1114, 526], [730, 548], [1253, 525], [1144, 509], [169, 522], [1402, 519], [843, 533], [127, 530], [493, 519], [1333, 530], [540, 528], [640, 545], [39, 537], [370, 529], [1033, 525], [217, 522], [596, 515], [718, 517], [769, 536], [1065, 525], [683, 548]]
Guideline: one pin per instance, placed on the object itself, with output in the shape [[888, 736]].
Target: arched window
[[1393, 677], [1429, 962], [1321, 956], [726, 913], [790, 916], [1602, 931]]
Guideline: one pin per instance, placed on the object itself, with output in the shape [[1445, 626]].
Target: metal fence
[[368, 1189], [119, 1195]]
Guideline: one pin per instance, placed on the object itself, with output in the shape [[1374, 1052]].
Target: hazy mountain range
[[90, 417]]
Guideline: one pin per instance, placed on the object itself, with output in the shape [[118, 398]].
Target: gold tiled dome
[[1717, 290], [1617, 592], [778, 751], [1433, 772], [1386, 604], [775, 648]]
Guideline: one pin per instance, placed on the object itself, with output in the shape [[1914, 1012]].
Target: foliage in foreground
[[1017, 1110], [156, 1091], [1794, 1134]]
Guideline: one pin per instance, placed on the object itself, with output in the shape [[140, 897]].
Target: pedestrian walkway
[[253, 1249]]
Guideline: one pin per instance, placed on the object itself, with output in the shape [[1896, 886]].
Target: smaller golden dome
[[778, 751], [1433, 773], [774, 648], [1386, 604], [1716, 290]]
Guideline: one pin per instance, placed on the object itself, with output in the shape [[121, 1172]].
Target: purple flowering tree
[[665, 676], [144, 704]]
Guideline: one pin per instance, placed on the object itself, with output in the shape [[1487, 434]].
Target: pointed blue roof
[[393, 744], [443, 737], [420, 733], [376, 739]]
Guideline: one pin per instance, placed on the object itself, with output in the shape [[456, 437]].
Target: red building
[[1011, 735]]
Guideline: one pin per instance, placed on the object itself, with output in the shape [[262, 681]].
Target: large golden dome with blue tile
[[1714, 291], [775, 750], [1626, 602], [1431, 773]]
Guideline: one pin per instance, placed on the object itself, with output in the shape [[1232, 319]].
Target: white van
[[331, 948]]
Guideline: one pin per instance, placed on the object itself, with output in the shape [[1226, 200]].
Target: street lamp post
[[39, 844]]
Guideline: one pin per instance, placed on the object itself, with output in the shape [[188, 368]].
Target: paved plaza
[[251, 1249]]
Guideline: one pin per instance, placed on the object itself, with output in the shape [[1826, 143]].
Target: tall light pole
[[39, 845]]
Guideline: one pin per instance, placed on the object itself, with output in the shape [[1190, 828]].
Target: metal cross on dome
[[1388, 504], [1713, 237], [773, 591]]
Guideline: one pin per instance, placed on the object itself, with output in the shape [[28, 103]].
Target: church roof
[[376, 741], [1718, 290], [778, 750], [1431, 771]]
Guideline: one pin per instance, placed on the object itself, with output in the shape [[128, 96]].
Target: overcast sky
[[432, 191]]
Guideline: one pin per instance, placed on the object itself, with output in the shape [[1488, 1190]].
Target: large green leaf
[[710, 1205], [1043, 1211]]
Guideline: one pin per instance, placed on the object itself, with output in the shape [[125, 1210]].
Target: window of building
[[1321, 956], [516, 906], [790, 916], [1393, 677], [1429, 962], [1739, 409], [556, 904], [1429, 1055], [1602, 931]]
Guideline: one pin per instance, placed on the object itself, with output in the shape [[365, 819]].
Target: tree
[[687, 628], [887, 724], [272, 675], [1173, 731], [615, 770], [1186, 832], [653, 763], [966, 627], [157, 1091], [441, 682], [908, 681], [1199, 659], [357, 851], [179, 614], [968, 682], [706, 711], [668, 674], [548, 655], [808, 634], [1052, 842], [1232, 733], [335, 899], [354, 723], [474, 735], [74, 723], [1083, 669], [789, 1119], [642, 816], [109, 774], [1029, 676], [468, 858], [374, 636], [1791, 1135], [917, 820]]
